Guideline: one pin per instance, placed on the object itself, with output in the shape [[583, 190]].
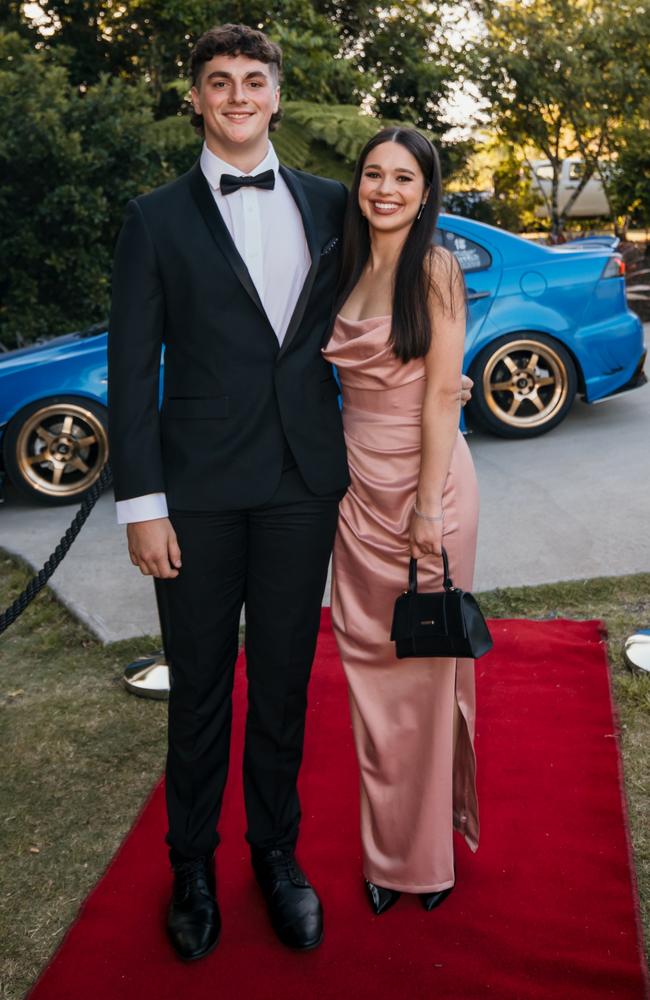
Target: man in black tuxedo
[[231, 491]]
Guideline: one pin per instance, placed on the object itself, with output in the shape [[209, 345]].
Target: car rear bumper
[[612, 354], [638, 379]]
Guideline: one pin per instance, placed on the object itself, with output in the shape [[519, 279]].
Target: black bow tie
[[230, 183]]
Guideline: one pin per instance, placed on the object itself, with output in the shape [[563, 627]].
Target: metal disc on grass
[[148, 677], [637, 651]]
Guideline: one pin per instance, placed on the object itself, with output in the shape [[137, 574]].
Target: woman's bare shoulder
[[447, 284], [442, 262]]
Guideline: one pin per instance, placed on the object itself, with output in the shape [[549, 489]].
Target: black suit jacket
[[232, 396]]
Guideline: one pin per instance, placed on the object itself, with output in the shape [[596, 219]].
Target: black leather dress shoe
[[430, 900], [381, 899], [294, 908], [193, 919]]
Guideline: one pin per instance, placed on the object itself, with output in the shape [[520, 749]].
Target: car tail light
[[614, 268]]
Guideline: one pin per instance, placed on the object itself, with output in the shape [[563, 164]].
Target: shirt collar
[[213, 167]]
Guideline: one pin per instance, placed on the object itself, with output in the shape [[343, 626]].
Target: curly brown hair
[[234, 40]]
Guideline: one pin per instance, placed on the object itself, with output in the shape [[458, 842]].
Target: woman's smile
[[385, 207]]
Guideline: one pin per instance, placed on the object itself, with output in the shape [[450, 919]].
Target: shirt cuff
[[145, 508]]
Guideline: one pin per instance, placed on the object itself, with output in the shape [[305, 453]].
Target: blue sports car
[[544, 324]]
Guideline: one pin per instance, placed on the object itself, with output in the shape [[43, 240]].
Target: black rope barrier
[[36, 584]]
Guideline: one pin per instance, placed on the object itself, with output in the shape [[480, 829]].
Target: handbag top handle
[[413, 573]]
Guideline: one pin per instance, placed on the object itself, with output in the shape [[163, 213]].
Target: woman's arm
[[441, 406]]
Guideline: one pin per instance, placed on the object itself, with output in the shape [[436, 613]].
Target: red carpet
[[544, 911]]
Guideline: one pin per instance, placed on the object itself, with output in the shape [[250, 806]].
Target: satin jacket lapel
[[219, 230], [295, 187]]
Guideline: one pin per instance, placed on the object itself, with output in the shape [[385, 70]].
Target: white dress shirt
[[266, 227]]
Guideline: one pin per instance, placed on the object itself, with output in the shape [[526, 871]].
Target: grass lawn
[[79, 755]]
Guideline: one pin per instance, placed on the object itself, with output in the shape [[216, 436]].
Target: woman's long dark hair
[[411, 332]]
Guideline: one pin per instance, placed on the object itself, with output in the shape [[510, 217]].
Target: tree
[[68, 163], [561, 75], [403, 48]]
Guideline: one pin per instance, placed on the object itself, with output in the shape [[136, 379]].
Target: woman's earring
[[421, 211]]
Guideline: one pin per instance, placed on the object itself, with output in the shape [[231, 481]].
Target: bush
[[69, 162]]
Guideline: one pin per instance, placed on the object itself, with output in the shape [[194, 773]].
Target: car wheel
[[524, 385], [54, 450]]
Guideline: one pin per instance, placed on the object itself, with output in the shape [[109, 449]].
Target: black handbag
[[449, 623]]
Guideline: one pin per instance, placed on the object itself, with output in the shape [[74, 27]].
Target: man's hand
[[466, 385], [153, 547]]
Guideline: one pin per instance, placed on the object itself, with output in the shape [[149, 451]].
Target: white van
[[590, 202]]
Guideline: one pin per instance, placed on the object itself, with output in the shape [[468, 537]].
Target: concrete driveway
[[574, 503]]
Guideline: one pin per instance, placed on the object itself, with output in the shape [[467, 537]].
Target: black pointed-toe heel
[[381, 899], [430, 900]]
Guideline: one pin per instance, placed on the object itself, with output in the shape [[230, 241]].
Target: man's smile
[[238, 116]]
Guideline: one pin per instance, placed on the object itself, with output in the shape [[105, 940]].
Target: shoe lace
[[192, 872], [282, 865]]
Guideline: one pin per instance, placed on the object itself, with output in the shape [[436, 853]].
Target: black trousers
[[273, 559]]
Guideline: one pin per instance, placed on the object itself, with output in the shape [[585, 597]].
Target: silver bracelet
[[426, 517]]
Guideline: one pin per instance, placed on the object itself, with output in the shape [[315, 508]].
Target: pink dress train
[[416, 787]]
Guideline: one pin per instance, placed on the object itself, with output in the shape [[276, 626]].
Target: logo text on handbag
[[428, 622]]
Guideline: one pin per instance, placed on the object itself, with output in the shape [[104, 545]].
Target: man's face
[[237, 97]]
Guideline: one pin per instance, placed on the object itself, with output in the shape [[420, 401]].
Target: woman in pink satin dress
[[397, 343]]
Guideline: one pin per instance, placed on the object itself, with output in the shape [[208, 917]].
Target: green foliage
[[560, 75], [341, 127], [514, 200], [313, 69], [630, 181], [407, 54], [176, 143], [68, 163], [404, 53]]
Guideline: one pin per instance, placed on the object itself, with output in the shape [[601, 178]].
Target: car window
[[470, 255]]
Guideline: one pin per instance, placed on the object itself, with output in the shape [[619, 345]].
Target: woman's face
[[392, 187]]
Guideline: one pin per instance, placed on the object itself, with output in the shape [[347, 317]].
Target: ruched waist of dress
[[400, 401]]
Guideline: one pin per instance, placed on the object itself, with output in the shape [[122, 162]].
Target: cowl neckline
[[361, 351]]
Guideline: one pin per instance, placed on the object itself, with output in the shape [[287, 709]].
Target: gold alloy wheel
[[525, 383], [61, 449]]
